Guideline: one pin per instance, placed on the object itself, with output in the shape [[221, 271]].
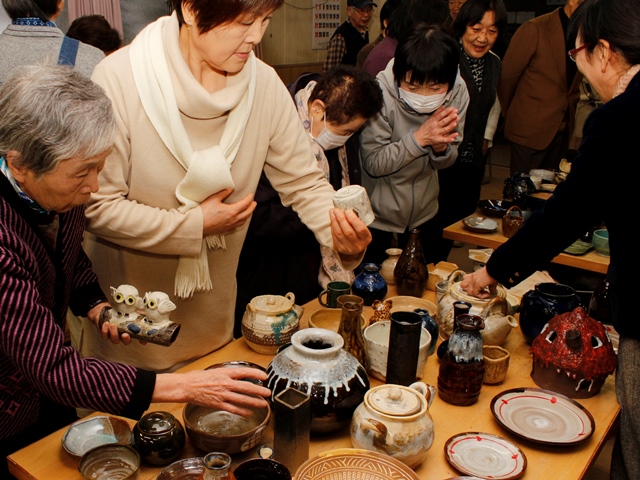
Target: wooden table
[[47, 460], [591, 261]]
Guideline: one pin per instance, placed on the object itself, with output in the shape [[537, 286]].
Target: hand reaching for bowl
[[479, 284], [219, 388]]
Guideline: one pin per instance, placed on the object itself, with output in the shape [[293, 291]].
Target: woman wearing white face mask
[[280, 254], [416, 133]]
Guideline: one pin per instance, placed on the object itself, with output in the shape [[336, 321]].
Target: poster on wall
[[325, 19]]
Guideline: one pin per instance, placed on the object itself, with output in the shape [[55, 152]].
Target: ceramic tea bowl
[[89, 433], [600, 241], [111, 461], [213, 430]]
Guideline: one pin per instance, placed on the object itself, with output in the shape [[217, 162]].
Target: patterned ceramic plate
[[354, 464], [542, 416], [485, 456]]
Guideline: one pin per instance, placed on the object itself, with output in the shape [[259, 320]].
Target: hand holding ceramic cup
[[354, 197], [332, 292]]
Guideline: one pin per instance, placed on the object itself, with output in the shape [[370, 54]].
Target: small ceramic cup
[[496, 364], [355, 197], [376, 344], [329, 297]]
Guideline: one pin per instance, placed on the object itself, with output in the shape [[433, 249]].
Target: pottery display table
[[592, 261], [47, 460]]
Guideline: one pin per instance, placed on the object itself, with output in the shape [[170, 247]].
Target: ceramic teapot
[[270, 321], [395, 420], [495, 311]]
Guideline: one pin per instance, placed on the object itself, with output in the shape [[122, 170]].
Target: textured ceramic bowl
[[112, 461], [600, 241], [213, 430], [185, 469], [329, 319], [376, 343], [406, 303], [92, 432], [354, 463]]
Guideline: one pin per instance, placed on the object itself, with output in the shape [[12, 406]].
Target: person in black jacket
[[601, 182], [280, 253]]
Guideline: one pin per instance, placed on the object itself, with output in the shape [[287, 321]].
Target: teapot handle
[[454, 276], [500, 301], [291, 297], [428, 391], [378, 429]]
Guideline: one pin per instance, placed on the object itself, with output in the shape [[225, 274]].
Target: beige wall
[[287, 41]]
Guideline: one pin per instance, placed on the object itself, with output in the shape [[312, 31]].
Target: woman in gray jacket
[[416, 133]]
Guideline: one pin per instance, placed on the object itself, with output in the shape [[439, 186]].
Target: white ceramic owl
[[157, 306], [127, 301]]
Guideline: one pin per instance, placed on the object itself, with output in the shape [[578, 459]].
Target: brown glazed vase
[[350, 330], [411, 272], [462, 366]]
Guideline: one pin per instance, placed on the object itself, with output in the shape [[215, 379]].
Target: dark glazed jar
[[600, 303], [462, 366], [316, 364], [411, 272], [431, 325], [369, 284], [541, 304], [159, 438]]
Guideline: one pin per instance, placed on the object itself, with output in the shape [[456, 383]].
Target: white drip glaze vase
[[316, 364]]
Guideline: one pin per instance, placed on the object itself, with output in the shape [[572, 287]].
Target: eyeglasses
[[572, 53], [364, 10]]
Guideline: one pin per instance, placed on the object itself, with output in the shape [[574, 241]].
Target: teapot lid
[[273, 304], [395, 400]]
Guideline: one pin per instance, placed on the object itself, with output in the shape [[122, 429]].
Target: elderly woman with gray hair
[[50, 158]]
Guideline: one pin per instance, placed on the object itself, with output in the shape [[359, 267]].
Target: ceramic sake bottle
[[411, 272]]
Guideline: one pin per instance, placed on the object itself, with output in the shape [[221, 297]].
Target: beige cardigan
[[138, 232]]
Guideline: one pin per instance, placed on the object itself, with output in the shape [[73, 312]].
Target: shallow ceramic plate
[[329, 319], [480, 224], [186, 469], [579, 247], [542, 416], [92, 432], [354, 463], [494, 208], [485, 456], [405, 303]]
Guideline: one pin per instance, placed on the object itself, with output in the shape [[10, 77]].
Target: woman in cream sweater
[[200, 118]]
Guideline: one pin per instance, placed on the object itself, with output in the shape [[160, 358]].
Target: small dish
[[92, 432], [480, 224], [485, 455], [542, 416], [111, 461], [185, 469], [546, 175], [579, 247], [406, 303], [354, 463], [494, 208]]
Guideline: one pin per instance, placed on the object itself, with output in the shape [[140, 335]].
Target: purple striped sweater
[[37, 285]]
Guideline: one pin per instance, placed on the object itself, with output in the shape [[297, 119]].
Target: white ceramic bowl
[[376, 344]]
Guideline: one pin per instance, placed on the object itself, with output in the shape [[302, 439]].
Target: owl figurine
[[157, 306], [127, 301]]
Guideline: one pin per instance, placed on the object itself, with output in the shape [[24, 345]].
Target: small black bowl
[[494, 208]]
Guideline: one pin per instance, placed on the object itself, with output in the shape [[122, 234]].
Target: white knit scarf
[[208, 171]]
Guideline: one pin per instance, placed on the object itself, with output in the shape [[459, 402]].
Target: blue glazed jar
[[541, 304], [369, 284], [430, 324]]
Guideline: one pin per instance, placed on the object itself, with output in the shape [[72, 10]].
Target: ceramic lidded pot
[[270, 321], [495, 311], [573, 355], [395, 420], [316, 364], [541, 304], [159, 437]]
